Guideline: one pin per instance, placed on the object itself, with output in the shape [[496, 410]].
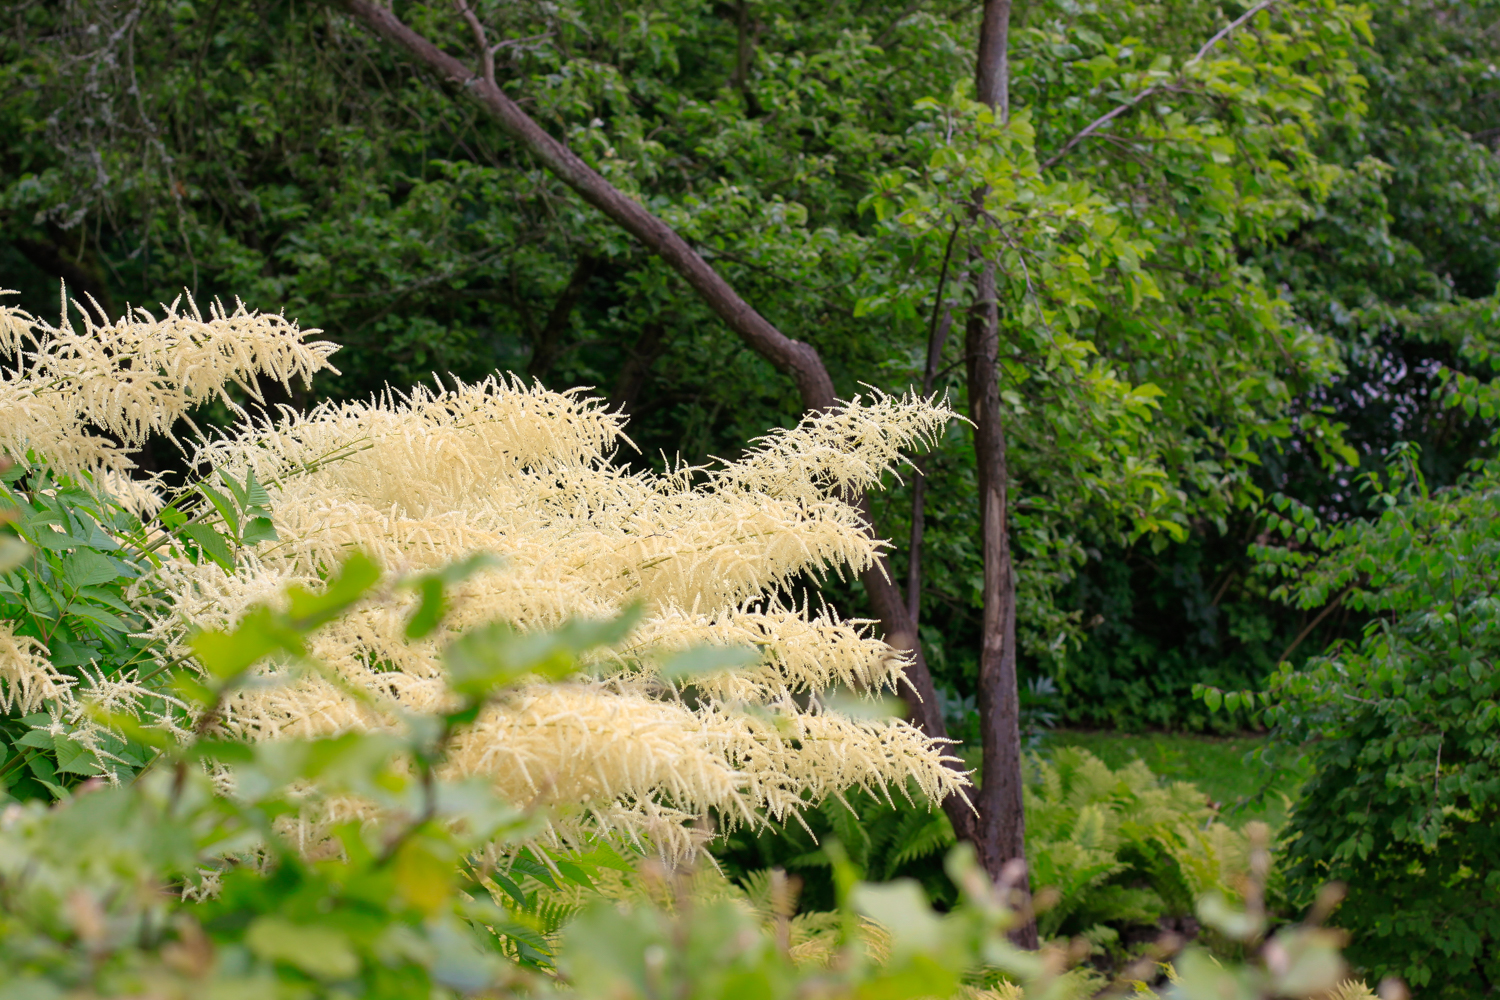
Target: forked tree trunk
[[1002, 822]]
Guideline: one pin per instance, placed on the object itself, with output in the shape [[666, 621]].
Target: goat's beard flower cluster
[[431, 477]]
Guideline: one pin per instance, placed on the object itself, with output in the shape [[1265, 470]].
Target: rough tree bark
[[1002, 826], [794, 358]]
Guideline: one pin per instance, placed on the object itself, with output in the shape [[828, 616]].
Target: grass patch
[[1216, 764]]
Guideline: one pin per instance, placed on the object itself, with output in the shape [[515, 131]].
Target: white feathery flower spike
[[422, 479], [85, 398], [27, 679]]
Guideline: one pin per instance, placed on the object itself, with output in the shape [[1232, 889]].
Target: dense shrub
[[1404, 800], [356, 865], [108, 602]]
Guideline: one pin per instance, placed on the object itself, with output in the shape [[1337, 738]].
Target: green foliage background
[[269, 149], [1304, 272]]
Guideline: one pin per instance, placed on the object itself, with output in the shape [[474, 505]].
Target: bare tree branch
[[481, 41], [937, 338]]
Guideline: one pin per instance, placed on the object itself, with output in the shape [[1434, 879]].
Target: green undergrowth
[[1243, 789]]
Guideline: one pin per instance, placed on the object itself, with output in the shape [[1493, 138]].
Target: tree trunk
[[1002, 824], [744, 56], [1001, 836], [921, 694], [637, 367], [547, 345], [992, 65]]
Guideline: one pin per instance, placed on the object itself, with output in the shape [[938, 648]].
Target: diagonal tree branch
[[794, 358]]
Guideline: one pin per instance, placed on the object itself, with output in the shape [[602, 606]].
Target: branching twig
[[1314, 623], [937, 336], [481, 40], [1208, 46]]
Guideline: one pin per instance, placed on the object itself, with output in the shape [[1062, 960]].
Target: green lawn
[[1216, 764]]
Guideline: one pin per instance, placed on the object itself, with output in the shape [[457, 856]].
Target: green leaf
[[235, 488], [432, 591], [259, 529], [39, 738], [901, 907], [102, 596], [526, 864], [430, 609], [317, 950], [73, 758], [55, 541], [573, 873], [100, 617], [355, 577], [41, 766], [213, 544], [701, 660], [226, 654], [223, 505], [86, 568], [255, 493], [495, 656], [511, 889]]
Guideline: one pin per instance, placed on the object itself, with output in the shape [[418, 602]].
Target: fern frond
[[923, 834]]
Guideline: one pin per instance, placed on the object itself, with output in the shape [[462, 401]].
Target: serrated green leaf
[[73, 758], [259, 529], [213, 544], [223, 505], [86, 568], [41, 739], [99, 617]]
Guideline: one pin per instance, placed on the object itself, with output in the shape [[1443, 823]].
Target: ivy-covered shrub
[[1403, 805]]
